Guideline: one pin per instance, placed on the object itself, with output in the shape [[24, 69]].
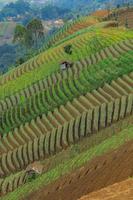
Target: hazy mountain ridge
[[76, 3], [72, 3]]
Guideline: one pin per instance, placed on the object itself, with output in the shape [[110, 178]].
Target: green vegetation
[[80, 118], [7, 51], [46, 109], [48, 62], [68, 49], [73, 163], [31, 35], [70, 29], [86, 80]]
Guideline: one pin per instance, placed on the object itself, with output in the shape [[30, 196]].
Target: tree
[[29, 39], [20, 61], [118, 6], [31, 35], [35, 31], [19, 34]]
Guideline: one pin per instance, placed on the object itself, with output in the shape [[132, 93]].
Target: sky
[[6, 1]]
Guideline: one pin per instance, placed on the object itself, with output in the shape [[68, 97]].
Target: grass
[[72, 163]]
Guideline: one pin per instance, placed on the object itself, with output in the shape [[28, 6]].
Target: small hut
[[34, 169], [65, 65]]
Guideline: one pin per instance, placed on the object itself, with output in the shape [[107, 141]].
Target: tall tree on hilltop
[[31, 35], [35, 31]]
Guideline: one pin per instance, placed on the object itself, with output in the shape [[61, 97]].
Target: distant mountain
[[4, 2], [18, 11], [82, 6], [92, 3], [24, 10]]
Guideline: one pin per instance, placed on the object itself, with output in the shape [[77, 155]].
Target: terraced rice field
[[49, 61], [71, 85], [66, 125], [44, 110], [74, 173], [123, 16], [70, 28], [126, 16]]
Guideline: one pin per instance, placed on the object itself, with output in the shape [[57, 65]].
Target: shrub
[[68, 49]]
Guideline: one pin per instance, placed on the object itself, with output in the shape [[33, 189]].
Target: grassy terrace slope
[[111, 52], [80, 118], [71, 164], [69, 29], [48, 62], [74, 84], [45, 111]]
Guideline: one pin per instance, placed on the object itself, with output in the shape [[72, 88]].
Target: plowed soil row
[[101, 13], [126, 16], [118, 191], [101, 172]]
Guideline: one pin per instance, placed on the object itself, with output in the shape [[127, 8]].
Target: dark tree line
[[29, 38], [30, 35]]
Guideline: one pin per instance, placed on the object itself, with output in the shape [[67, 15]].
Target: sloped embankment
[[122, 190], [100, 172]]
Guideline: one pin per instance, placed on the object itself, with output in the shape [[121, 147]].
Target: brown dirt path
[[118, 191], [101, 172]]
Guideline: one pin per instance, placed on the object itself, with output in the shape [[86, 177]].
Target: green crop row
[[21, 96], [60, 93], [64, 31], [11, 183], [44, 64], [71, 164], [50, 133]]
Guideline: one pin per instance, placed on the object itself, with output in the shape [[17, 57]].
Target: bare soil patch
[[118, 191], [101, 172]]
